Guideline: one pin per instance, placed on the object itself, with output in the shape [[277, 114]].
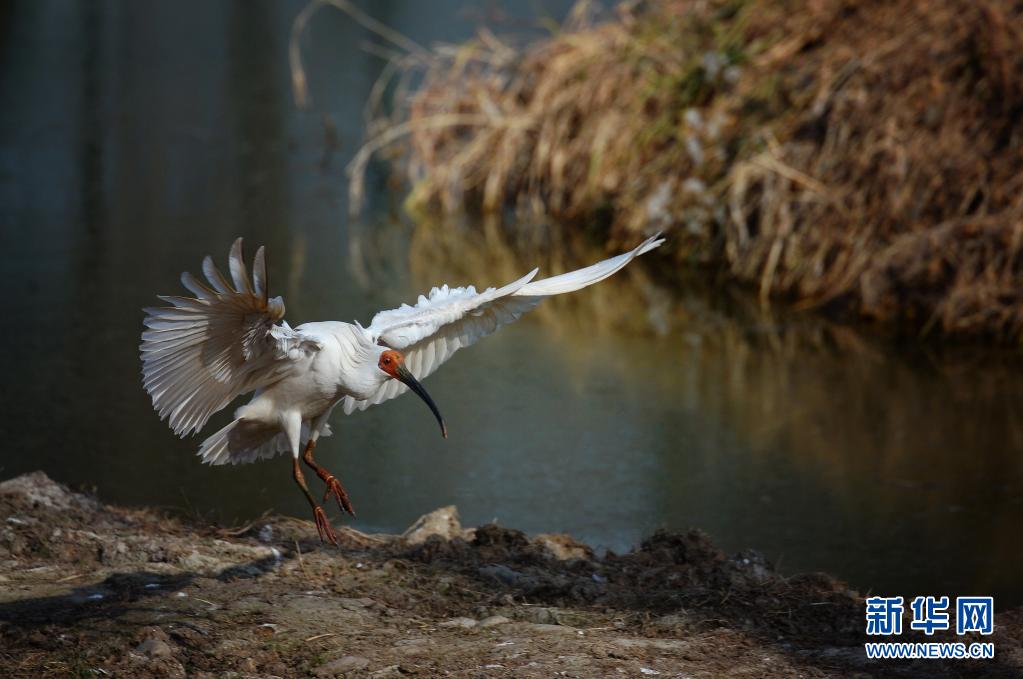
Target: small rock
[[343, 665], [356, 604], [540, 615], [465, 623], [248, 665], [493, 621], [266, 533], [563, 547], [389, 672], [154, 648], [442, 522]]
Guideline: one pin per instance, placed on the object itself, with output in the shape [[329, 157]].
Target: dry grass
[[857, 156]]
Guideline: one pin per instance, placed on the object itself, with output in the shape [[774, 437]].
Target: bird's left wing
[[203, 351], [430, 332]]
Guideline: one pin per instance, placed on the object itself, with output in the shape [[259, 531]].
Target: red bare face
[[392, 362], [389, 362]]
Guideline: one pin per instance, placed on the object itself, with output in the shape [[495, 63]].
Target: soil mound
[[92, 590]]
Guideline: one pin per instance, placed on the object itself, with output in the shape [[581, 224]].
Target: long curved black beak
[[412, 383]]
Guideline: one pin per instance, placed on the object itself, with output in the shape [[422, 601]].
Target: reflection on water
[[136, 138], [831, 451]]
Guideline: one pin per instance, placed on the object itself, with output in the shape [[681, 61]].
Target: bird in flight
[[229, 338]]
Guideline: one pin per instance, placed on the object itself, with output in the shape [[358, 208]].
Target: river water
[[137, 137]]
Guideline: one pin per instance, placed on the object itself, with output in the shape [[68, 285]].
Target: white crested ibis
[[226, 340]]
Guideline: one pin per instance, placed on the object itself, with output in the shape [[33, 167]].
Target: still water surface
[[135, 138]]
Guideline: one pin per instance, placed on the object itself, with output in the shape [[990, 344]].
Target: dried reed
[[858, 156]]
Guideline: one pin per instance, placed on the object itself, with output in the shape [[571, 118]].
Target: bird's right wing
[[430, 332], [202, 352]]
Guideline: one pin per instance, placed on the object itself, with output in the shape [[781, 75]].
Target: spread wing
[[430, 332], [203, 351]]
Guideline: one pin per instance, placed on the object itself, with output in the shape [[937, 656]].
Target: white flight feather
[[202, 352], [449, 319]]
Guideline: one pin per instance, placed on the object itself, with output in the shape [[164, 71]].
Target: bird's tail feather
[[244, 441]]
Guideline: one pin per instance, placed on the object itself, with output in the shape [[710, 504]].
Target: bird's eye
[[387, 360]]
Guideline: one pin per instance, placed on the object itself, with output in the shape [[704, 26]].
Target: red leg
[[334, 486], [323, 526]]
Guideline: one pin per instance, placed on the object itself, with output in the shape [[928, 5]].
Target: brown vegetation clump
[[857, 156]]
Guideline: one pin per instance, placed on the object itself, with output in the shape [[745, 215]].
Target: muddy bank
[[93, 590], [857, 157]]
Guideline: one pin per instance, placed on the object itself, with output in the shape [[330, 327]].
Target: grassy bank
[[860, 157]]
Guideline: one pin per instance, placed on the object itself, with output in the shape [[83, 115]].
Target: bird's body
[[227, 340], [314, 384]]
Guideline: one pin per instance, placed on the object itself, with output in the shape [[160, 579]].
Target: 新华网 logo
[[930, 614]]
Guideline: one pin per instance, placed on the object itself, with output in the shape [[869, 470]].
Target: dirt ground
[[93, 590]]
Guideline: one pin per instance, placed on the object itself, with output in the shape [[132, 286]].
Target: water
[[136, 138]]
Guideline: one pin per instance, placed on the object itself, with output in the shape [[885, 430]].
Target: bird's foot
[[335, 488], [323, 527]]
